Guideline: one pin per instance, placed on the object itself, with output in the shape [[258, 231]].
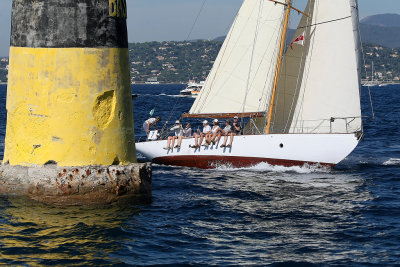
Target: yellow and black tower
[[69, 95]]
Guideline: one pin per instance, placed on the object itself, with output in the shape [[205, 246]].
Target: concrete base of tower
[[73, 186]]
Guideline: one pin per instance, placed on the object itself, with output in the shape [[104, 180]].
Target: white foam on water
[[265, 167], [168, 95], [392, 162]]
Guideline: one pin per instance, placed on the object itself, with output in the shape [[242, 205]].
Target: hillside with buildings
[[172, 62], [386, 63], [177, 62]]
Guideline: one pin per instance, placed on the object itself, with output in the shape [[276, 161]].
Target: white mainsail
[[328, 99], [242, 76]]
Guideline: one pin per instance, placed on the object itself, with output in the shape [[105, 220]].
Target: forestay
[[326, 92], [242, 76]]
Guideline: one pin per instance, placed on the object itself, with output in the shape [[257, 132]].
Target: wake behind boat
[[299, 104]]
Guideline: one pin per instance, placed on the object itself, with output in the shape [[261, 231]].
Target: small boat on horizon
[[193, 88]]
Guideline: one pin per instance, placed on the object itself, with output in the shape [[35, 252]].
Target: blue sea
[[264, 215]]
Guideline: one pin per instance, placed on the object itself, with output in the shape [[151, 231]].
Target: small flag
[[152, 112], [299, 40]]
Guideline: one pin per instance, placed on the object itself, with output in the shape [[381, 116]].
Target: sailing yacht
[[300, 102], [372, 82]]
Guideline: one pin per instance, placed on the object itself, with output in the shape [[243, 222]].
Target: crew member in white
[[187, 133], [178, 132], [214, 132], [150, 122], [201, 135]]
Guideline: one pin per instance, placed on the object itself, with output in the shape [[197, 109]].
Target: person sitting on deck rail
[[187, 133], [215, 131], [234, 130], [226, 132], [201, 135], [178, 132], [150, 122]]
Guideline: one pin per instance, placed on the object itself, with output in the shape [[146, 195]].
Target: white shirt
[[215, 128], [150, 121], [187, 132], [227, 128], [178, 130], [206, 129]]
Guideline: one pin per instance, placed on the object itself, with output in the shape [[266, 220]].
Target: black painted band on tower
[[81, 23]]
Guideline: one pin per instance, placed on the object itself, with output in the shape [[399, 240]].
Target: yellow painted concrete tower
[[69, 95]]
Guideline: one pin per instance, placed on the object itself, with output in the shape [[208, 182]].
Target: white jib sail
[[329, 96], [242, 76]]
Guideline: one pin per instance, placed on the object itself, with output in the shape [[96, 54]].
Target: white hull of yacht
[[249, 150]]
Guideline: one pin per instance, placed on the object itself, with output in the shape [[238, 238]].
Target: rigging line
[[264, 90], [302, 60], [285, 58], [220, 62], [298, 118], [226, 41], [187, 38], [265, 94], [324, 22], [278, 65], [268, 100], [366, 73], [252, 57], [284, 67], [197, 18]]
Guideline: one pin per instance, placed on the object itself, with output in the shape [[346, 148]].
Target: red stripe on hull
[[211, 162]]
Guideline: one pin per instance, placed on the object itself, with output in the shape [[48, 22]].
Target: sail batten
[[242, 75]]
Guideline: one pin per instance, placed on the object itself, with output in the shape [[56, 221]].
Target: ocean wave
[[392, 161], [169, 95], [265, 167], [155, 95]]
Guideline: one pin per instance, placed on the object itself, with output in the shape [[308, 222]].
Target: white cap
[[236, 117], [177, 122], [205, 121], [215, 120]]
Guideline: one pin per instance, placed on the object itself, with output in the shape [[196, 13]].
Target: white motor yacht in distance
[[193, 88]]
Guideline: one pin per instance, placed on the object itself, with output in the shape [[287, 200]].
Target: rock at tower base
[[73, 186]]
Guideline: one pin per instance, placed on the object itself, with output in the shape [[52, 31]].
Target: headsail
[[292, 72], [242, 75], [326, 90]]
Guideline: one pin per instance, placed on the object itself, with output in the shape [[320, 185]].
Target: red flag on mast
[[299, 40]]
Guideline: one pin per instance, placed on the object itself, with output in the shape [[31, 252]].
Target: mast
[[279, 62], [373, 74]]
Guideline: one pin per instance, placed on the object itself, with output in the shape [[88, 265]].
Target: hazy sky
[[158, 20]]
